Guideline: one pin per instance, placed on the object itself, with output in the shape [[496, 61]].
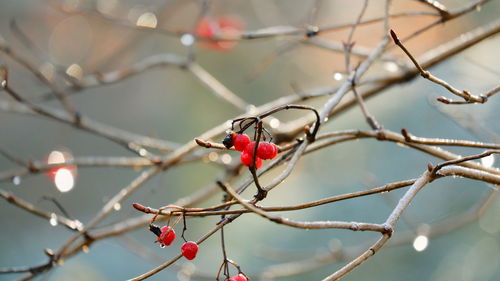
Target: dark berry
[[229, 140], [189, 250]]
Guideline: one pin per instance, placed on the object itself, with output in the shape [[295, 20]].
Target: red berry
[[224, 25], [249, 148], [167, 236], [241, 141], [247, 160], [266, 150], [275, 152], [189, 250], [239, 277]]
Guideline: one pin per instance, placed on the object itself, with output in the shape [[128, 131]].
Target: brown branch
[[217, 87], [354, 226], [447, 142], [11, 198], [466, 95], [440, 8]]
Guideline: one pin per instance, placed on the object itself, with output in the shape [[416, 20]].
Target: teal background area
[[171, 104]]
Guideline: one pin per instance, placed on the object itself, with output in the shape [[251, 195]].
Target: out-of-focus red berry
[[224, 26]]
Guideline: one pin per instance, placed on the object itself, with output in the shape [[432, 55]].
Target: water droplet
[[338, 76], [226, 158], [274, 123], [143, 152], [213, 156], [325, 120], [75, 71], [488, 161], [187, 39], [53, 219], [64, 180], [391, 66], [16, 180], [251, 109], [420, 243], [85, 249], [117, 206], [76, 224], [56, 157], [147, 19]]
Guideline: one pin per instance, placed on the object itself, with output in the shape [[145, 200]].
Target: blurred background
[[79, 38]]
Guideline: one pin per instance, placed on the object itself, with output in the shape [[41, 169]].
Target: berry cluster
[[166, 236], [239, 277], [241, 142]]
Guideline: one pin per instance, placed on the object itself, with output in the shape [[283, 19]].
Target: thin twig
[[466, 95]]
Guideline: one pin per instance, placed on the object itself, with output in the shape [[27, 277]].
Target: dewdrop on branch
[[63, 176], [147, 19], [420, 243], [53, 219]]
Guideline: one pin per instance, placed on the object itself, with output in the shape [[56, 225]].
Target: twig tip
[[394, 36]]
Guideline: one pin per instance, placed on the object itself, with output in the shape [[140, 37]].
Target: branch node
[[354, 227], [443, 100], [406, 135], [312, 31], [77, 119], [426, 74], [261, 195], [430, 168], [32, 167], [388, 229]]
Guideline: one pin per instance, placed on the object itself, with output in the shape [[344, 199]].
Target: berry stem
[[261, 193], [184, 227]]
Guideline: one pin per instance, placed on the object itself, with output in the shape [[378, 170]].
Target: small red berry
[[276, 150], [224, 25], [249, 148], [239, 277], [241, 141], [167, 236], [189, 250], [266, 150], [247, 160]]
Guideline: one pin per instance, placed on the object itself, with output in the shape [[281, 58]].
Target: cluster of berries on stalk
[[241, 142], [239, 277], [166, 236]]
